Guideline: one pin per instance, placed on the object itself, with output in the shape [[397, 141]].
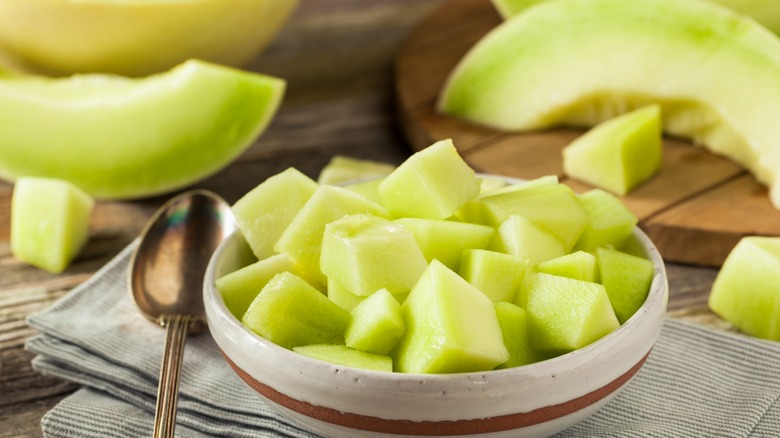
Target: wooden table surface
[[337, 57]]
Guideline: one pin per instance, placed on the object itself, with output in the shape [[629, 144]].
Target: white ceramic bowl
[[535, 400]]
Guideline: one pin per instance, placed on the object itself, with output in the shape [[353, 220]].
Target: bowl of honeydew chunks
[[432, 300]]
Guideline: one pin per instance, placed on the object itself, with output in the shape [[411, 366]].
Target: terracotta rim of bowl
[[437, 428]]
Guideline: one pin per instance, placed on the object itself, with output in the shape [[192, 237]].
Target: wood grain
[[696, 208]]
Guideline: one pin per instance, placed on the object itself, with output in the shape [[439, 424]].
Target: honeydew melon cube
[[376, 324], [514, 326], [265, 212], [565, 314], [497, 275], [289, 312], [343, 169], [618, 154], [472, 210], [240, 287], [522, 237], [610, 222], [365, 253], [302, 239], [488, 184], [342, 355], [553, 206], [444, 240], [367, 189], [343, 297], [578, 265], [433, 183], [49, 222], [627, 279], [451, 327], [746, 291]]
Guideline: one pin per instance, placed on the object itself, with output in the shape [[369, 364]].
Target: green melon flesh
[[566, 314], [451, 327], [343, 297], [514, 326], [578, 265], [126, 138], [746, 291], [610, 222], [376, 325], [49, 222], [627, 279], [364, 253], [289, 312], [618, 154], [523, 238], [342, 169], [445, 241], [367, 189], [433, 183], [497, 275], [342, 355], [267, 210], [712, 71]]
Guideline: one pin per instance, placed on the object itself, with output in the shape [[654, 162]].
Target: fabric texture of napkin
[[696, 382]]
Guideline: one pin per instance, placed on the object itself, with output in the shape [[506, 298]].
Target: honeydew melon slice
[[610, 222], [746, 291], [445, 241], [497, 275], [565, 314], [376, 324], [514, 326], [342, 169], [342, 355], [451, 327], [49, 222], [126, 138], [433, 183], [582, 62], [626, 278], [522, 238], [267, 210], [618, 154], [578, 265], [365, 253], [289, 312], [367, 189]]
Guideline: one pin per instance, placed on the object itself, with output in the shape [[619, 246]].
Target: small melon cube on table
[[376, 324], [266, 211], [49, 222], [343, 169], [343, 355], [365, 253], [240, 287], [289, 312], [514, 326], [610, 222], [746, 291], [497, 275], [578, 265], [445, 240], [523, 238], [627, 279], [433, 183], [565, 314], [302, 239], [451, 327], [618, 154]]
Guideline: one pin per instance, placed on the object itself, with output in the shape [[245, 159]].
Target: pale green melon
[[342, 355], [49, 222], [367, 189], [126, 138], [618, 154], [627, 279], [566, 314], [451, 327], [343, 169], [289, 312], [578, 265], [342, 297], [472, 210], [365, 253], [497, 275], [266, 211], [746, 291], [582, 62], [445, 241], [376, 324], [610, 222], [433, 183], [523, 238], [514, 326]]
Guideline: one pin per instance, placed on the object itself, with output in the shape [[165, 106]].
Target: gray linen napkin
[[696, 382]]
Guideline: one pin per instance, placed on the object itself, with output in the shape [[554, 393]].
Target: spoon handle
[[168, 389]]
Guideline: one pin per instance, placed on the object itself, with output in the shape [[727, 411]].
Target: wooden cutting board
[[695, 210]]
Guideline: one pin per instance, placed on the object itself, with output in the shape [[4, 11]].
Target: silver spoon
[[166, 280]]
